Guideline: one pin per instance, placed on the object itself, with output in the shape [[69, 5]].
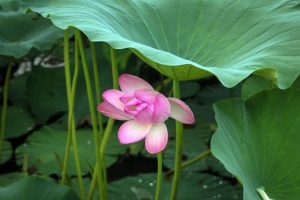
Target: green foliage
[[182, 41], [195, 141], [256, 132], [45, 150], [18, 121], [46, 92], [9, 178], [29, 188], [193, 186], [257, 140], [6, 152], [21, 32]]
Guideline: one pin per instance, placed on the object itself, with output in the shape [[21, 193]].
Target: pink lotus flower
[[145, 110]]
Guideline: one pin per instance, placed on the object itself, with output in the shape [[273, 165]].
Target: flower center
[[134, 106]]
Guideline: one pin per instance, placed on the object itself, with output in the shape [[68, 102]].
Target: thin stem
[[93, 183], [4, 105], [110, 122], [99, 115], [104, 142], [192, 161], [72, 123], [114, 68], [263, 194], [71, 91], [159, 175], [68, 88], [179, 138], [91, 107], [25, 165], [97, 87]]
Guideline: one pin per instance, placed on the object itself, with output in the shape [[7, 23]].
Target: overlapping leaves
[[21, 32], [257, 140]]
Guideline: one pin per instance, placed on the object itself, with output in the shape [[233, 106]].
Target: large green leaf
[[258, 141], [29, 188], [20, 32], [193, 186], [45, 150], [195, 38], [256, 84]]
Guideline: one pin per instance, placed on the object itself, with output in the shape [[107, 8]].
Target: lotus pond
[[147, 99]]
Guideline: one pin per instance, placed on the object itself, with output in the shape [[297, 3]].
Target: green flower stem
[[97, 87], [91, 106], [93, 183], [179, 138], [159, 175], [4, 105], [68, 88], [72, 123], [114, 68], [71, 91], [98, 100], [104, 142], [110, 122], [192, 161]]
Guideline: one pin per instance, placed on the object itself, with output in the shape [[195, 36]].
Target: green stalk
[[25, 165], [97, 88], [4, 105], [72, 122], [93, 183], [91, 106], [110, 122], [114, 68], [192, 161], [179, 138], [263, 194], [159, 175], [68, 88], [104, 142], [99, 119], [71, 91]]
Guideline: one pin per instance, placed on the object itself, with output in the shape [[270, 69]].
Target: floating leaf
[[9, 178], [6, 152], [21, 32], [257, 141], [46, 93], [47, 97], [17, 90], [45, 150], [18, 121], [193, 186], [29, 188], [181, 40]]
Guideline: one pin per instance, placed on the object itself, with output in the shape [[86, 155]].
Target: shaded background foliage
[[36, 127]]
